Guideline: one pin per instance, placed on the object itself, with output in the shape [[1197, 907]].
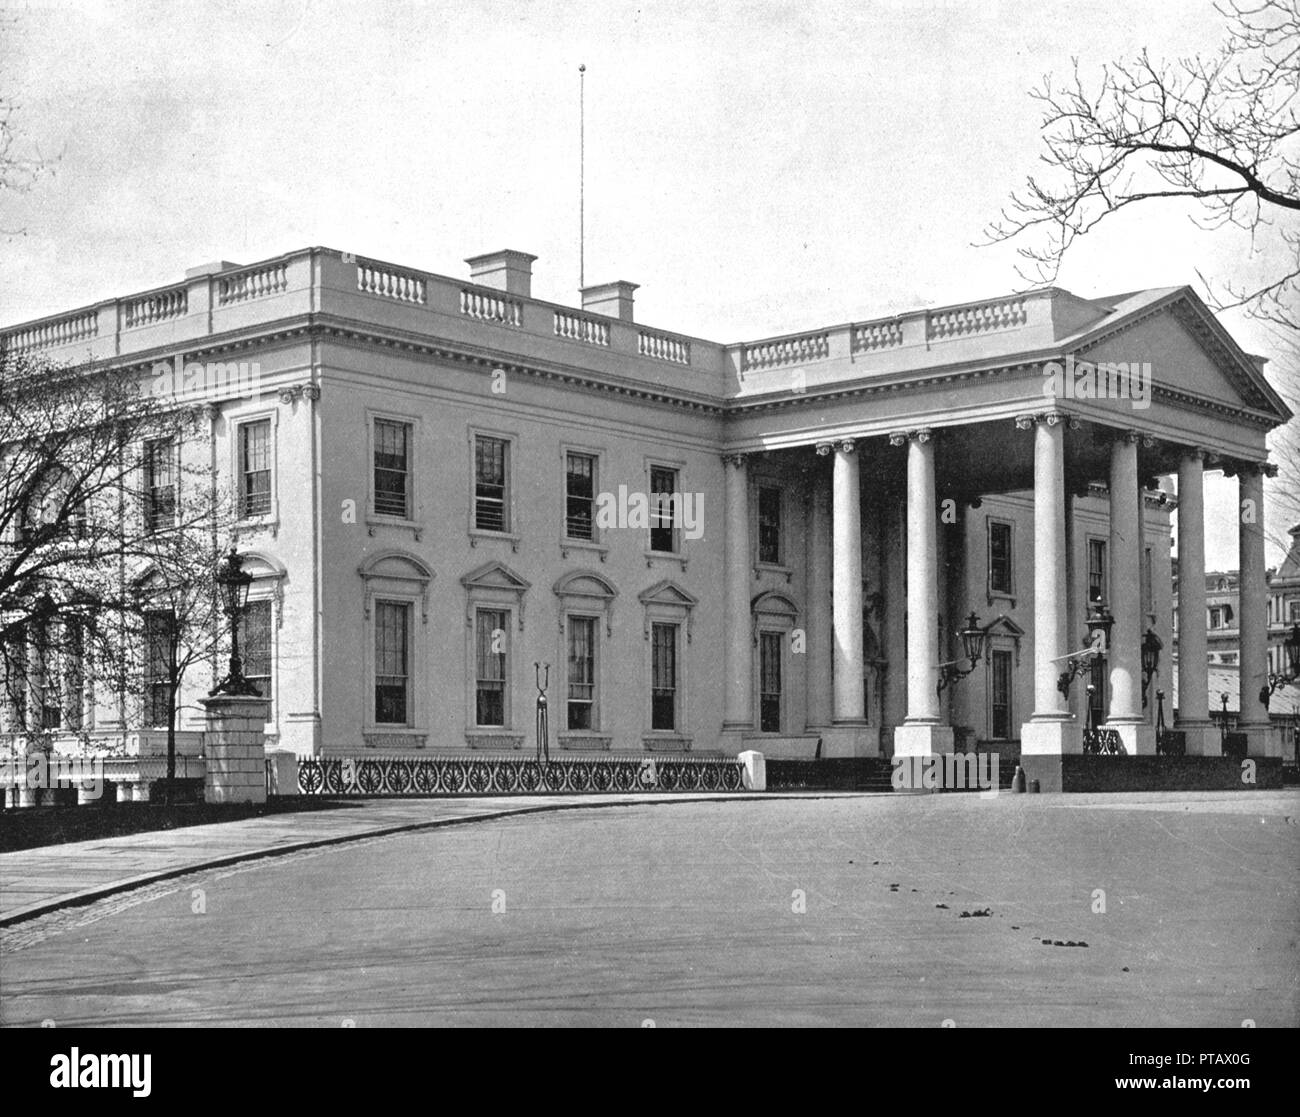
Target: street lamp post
[[973, 638], [233, 582], [1099, 626], [1151, 647]]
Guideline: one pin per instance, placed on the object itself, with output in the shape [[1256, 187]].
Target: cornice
[[318, 326]]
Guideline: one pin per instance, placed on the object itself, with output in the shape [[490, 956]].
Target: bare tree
[[21, 162], [1222, 133], [106, 528]]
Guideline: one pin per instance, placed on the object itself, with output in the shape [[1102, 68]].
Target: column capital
[[1268, 469], [1131, 436], [841, 445], [311, 391], [737, 461], [1200, 453], [921, 434], [1051, 418]]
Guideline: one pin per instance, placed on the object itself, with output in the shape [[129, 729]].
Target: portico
[[891, 436]]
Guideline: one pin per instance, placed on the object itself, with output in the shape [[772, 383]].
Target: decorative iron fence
[[1171, 742], [1235, 744], [1102, 742], [513, 775]]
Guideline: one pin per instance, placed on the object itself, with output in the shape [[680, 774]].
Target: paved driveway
[[834, 911]]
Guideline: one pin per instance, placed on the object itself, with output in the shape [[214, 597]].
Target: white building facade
[[442, 483]]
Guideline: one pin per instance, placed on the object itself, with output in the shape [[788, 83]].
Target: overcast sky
[[757, 167]]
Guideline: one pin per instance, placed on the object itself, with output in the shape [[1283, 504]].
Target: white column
[[738, 703], [1193, 661], [1125, 714], [819, 632], [846, 591], [921, 733], [1050, 636], [1051, 730], [1253, 607]]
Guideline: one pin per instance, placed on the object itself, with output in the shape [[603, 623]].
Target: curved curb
[[90, 895]]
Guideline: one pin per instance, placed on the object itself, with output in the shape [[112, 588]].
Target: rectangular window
[[491, 464], [582, 673], [1293, 610], [663, 676], [579, 496], [255, 645], [1096, 570], [769, 685], [769, 525], [158, 633], [159, 483], [490, 667], [999, 557], [392, 468], [663, 498], [1000, 699], [255, 469], [392, 662]]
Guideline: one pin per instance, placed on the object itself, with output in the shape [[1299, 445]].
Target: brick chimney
[[506, 270], [613, 299]]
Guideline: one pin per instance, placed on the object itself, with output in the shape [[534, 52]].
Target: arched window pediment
[[585, 589], [395, 571]]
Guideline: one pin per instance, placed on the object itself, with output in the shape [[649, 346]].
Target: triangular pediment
[[667, 593], [1187, 350], [497, 576], [1004, 626]]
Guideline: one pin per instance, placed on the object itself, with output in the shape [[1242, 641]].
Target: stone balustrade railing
[[491, 307], [254, 283], [580, 327], [779, 352], [871, 336], [58, 331], [664, 347], [390, 282], [1000, 314], [157, 307]]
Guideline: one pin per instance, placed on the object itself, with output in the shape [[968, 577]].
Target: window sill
[[651, 557], [497, 739], [999, 595], [269, 522], [664, 741], [567, 545], [374, 520], [581, 740], [761, 568], [394, 738], [477, 534]]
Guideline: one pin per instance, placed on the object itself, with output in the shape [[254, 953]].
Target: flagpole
[[582, 136]]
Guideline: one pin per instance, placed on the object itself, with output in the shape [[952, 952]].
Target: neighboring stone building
[[1222, 603], [444, 482]]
